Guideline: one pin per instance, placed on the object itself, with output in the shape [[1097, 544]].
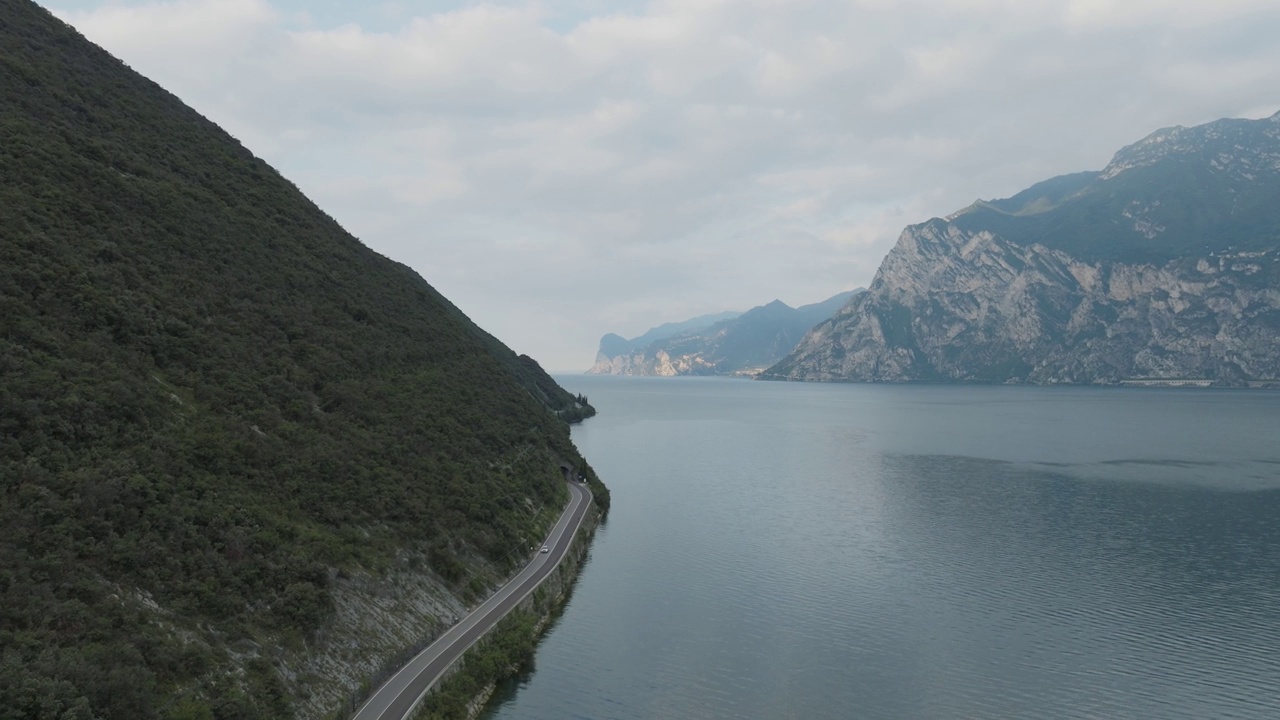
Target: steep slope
[[227, 428], [1166, 264], [615, 346], [672, 329], [738, 345]]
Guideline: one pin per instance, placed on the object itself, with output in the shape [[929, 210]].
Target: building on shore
[[1166, 382]]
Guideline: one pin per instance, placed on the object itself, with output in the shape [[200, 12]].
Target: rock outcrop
[[1164, 265], [742, 344]]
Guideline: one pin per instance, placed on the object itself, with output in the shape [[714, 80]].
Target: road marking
[[580, 500]]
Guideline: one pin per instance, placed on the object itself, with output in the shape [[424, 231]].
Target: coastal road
[[398, 697]]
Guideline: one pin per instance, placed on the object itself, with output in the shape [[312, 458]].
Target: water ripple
[[798, 552]]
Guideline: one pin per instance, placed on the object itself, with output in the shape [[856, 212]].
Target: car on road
[[545, 549]]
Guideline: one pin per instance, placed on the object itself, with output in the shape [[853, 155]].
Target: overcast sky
[[567, 168]]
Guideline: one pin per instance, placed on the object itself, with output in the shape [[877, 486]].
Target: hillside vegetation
[[214, 400], [1179, 192]]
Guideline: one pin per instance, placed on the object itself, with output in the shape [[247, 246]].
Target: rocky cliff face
[[742, 344], [659, 364], [1093, 278]]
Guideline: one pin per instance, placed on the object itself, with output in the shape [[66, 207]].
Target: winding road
[[398, 697]]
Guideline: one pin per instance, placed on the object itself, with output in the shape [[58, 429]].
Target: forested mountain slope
[[1163, 266], [215, 404]]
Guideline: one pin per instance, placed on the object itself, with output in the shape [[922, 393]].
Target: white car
[[545, 549]]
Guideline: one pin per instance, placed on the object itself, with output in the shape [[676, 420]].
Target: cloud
[[1110, 16], [566, 168], [170, 30]]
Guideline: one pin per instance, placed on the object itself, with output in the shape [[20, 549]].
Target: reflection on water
[[781, 550]]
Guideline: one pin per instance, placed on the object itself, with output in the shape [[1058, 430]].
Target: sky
[[567, 168]]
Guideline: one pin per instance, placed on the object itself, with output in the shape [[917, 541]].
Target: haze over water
[[812, 551]]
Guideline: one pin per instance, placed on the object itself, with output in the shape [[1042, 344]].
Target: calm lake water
[[847, 551]]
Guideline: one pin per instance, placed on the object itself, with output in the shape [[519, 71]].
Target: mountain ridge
[[740, 344], [1162, 265]]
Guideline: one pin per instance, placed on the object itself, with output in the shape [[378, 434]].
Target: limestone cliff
[[741, 344], [1164, 265]]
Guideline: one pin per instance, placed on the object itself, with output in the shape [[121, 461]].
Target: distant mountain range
[[721, 344], [1165, 265]]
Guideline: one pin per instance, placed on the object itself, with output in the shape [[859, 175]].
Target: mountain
[[672, 329], [731, 343], [612, 345], [1164, 265], [245, 461]]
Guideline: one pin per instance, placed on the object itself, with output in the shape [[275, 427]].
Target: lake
[[786, 550]]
